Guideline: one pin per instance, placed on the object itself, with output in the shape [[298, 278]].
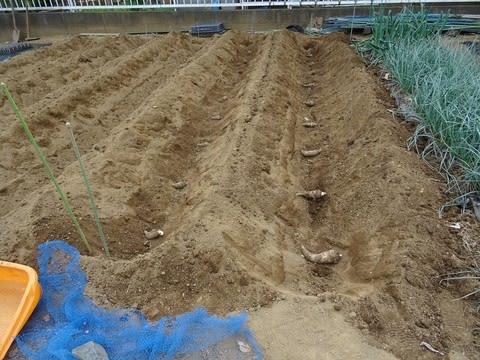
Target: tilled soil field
[[225, 115]]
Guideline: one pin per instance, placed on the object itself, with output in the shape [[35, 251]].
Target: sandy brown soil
[[225, 115]]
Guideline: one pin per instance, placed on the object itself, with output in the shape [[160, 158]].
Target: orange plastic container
[[19, 294]]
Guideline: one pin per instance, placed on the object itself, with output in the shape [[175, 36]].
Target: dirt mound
[[226, 116]]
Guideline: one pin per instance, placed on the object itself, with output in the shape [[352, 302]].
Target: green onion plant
[[443, 82], [388, 30]]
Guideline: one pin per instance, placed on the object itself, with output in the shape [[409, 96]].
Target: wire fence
[[77, 5]]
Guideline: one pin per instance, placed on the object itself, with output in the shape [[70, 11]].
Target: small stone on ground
[[90, 351]]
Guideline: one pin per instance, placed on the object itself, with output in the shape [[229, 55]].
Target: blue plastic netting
[[65, 319]]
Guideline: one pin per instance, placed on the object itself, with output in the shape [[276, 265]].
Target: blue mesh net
[[65, 319]]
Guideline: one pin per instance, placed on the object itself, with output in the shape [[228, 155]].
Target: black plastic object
[[295, 28], [207, 29], [12, 49], [9, 50]]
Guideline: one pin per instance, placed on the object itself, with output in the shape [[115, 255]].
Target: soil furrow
[[202, 138], [369, 208], [92, 115], [41, 81]]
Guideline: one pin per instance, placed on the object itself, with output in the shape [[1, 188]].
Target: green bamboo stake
[[44, 161], [89, 189]]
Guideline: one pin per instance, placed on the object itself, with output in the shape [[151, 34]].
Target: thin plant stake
[[353, 17], [89, 189], [44, 161]]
